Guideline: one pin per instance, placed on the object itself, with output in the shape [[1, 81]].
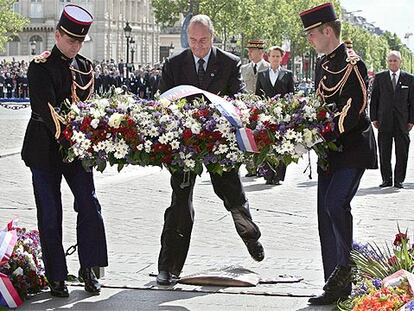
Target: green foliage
[[10, 22]]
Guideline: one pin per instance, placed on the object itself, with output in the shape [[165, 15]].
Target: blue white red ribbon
[[245, 138], [8, 294]]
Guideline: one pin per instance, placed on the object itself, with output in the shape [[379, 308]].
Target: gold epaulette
[[352, 58], [42, 58]]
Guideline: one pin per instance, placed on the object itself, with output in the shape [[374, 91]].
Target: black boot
[[336, 288], [58, 289], [92, 284]]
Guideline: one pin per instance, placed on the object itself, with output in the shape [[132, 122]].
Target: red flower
[[327, 128], [187, 134], [271, 126], [201, 113], [86, 122], [392, 261], [399, 238], [67, 133], [321, 115]]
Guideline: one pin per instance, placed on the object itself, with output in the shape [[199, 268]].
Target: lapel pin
[[212, 75]]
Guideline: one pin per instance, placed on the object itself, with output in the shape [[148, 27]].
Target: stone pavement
[[134, 201]]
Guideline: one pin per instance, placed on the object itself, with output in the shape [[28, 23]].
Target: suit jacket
[[388, 106], [222, 74], [50, 82], [353, 130], [248, 74], [284, 83]]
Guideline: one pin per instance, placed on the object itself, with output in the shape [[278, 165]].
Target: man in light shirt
[[249, 73], [271, 82]]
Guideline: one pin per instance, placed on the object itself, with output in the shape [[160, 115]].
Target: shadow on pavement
[[112, 299], [382, 191], [307, 184]]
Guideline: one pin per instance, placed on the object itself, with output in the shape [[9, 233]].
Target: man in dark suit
[[271, 82], [216, 71], [392, 113], [340, 80], [55, 77]]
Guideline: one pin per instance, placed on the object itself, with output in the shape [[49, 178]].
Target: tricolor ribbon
[[245, 138], [8, 294]]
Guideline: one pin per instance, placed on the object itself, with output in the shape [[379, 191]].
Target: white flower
[[148, 145], [121, 149], [99, 146], [190, 163], [140, 147], [175, 144], [153, 132], [115, 120], [165, 118], [290, 134], [78, 136], [222, 148], [287, 118], [109, 146], [94, 123], [163, 139]]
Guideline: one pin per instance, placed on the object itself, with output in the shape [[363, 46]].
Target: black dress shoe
[[92, 284], [386, 184], [164, 278], [398, 185], [255, 249], [327, 298], [58, 289], [339, 280], [337, 287]]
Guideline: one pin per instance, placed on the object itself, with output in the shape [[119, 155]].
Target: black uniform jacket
[[223, 76], [340, 79], [284, 83], [50, 82], [388, 106]]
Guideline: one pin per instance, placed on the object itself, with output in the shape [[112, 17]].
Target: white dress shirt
[[273, 74]]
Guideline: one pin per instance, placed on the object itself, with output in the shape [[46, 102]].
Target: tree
[[10, 22]]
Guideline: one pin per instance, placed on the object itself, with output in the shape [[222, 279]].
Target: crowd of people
[[13, 79], [142, 81]]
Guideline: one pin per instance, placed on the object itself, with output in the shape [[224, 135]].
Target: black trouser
[[90, 229], [402, 143], [179, 217], [335, 193]]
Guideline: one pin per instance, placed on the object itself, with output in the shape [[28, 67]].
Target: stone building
[[107, 35]]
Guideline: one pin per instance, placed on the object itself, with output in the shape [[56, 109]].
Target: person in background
[[255, 49], [271, 82], [392, 113]]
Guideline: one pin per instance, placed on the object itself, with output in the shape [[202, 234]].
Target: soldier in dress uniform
[[249, 73], [56, 77], [340, 79]]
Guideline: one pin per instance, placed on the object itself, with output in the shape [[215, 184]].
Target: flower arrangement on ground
[[384, 278], [23, 266]]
